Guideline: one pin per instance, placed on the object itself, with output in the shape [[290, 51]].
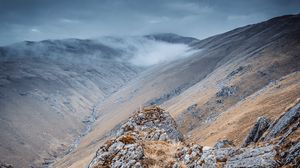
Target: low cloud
[[158, 52], [35, 30], [142, 51]]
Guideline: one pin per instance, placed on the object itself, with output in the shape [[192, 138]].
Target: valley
[[62, 100]]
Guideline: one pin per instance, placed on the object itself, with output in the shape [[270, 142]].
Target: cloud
[[158, 20], [78, 19], [190, 7], [142, 51], [159, 52], [65, 20], [35, 30]]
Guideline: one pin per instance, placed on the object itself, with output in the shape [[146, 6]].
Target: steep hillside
[[216, 93], [45, 101], [150, 138], [49, 91]]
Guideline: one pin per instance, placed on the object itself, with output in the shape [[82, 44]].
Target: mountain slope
[[49, 91], [43, 103], [150, 138], [205, 92]]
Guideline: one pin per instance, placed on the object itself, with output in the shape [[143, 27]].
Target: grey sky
[[42, 19]]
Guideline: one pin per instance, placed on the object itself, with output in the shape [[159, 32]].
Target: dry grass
[[159, 153], [235, 123], [127, 139], [238, 116]]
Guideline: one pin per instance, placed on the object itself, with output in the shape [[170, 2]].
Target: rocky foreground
[[150, 138]]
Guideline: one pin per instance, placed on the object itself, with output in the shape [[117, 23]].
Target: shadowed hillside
[[216, 93], [50, 90]]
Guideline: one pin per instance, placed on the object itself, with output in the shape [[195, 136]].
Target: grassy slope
[[267, 51]]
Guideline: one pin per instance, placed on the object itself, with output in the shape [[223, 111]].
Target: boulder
[[153, 130], [225, 143], [253, 157], [293, 155], [283, 122], [227, 91], [256, 132]]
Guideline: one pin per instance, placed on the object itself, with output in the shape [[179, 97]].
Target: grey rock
[[176, 165], [223, 144], [4, 165], [227, 91], [289, 132], [209, 162], [223, 154], [255, 157], [163, 137], [116, 147], [153, 124], [256, 132], [137, 165], [293, 154], [283, 122]]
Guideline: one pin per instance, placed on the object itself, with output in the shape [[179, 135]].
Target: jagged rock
[[261, 125], [289, 132], [207, 162], [283, 122], [229, 157], [189, 154], [293, 155], [256, 157], [126, 150], [215, 157], [163, 137], [227, 91], [153, 118], [224, 144], [121, 152], [153, 126], [4, 165]]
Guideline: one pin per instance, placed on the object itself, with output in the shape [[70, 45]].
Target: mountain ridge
[[214, 88], [249, 62], [49, 91]]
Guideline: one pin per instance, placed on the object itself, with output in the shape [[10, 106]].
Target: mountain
[[150, 138], [50, 91], [218, 92], [172, 38]]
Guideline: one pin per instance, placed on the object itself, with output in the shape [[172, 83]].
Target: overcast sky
[[43, 19]]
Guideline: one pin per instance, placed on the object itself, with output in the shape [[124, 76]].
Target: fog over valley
[[149, 84]]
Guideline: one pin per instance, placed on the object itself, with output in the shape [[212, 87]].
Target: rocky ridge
[[150, 138]]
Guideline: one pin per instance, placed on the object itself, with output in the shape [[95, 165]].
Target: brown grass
[[127, 139], [235, 123], [159, 153]]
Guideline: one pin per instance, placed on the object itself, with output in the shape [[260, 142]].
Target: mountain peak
[[172, 38]]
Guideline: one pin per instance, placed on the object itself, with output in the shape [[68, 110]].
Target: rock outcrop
[[4, 165], [227, 91], [225, 143], [261, 125], [283, 123], [127, 150], [150, 139]]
